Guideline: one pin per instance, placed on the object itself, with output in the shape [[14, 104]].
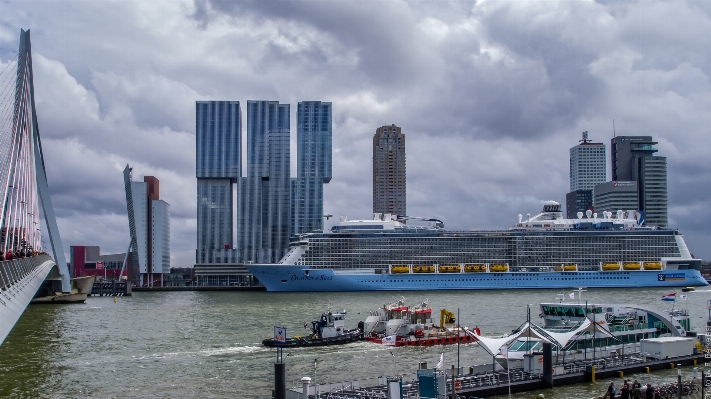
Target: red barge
[[399, 325]]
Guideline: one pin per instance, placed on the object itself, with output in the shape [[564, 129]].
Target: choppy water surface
[[208, 344]]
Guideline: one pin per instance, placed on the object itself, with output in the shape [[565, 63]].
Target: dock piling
[[279, 380], [547, 365]]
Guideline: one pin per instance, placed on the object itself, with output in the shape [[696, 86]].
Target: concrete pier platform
[[603, 369], [484, 385]]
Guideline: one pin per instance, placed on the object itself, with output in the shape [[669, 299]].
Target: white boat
[[614, 328]]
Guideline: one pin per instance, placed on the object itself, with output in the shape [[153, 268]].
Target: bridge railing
[[13, 271]]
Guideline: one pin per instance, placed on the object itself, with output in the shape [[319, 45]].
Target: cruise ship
[[544, 251]]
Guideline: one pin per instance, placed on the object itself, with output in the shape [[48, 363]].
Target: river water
[[208, 344]]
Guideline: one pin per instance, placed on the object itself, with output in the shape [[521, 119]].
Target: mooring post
[[678, 381], [547, 365], [280, 375]]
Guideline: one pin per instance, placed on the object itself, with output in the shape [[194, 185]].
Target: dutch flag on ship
[[669, 297]]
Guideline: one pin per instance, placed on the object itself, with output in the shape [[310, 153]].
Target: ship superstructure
[[543, 251]]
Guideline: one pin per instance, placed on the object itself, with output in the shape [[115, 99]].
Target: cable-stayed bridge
[[24, 197]]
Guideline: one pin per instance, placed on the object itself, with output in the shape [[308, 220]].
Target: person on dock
[[636, 390], [625, 390], [611, 392], [649, 394]]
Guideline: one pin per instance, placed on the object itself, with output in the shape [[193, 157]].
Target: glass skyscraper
[[253, 222], [218, 135], [314, 165], [264, 195], [634, 159]]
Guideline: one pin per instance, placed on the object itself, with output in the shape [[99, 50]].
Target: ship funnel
[[579, 215], [630, 214], [595, 215], [588, 213], [520, 217], [620, 214]]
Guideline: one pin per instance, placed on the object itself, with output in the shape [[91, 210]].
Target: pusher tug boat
[[399, 325], [328, 330]]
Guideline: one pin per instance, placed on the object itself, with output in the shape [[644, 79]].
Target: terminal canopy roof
[[558, 338]]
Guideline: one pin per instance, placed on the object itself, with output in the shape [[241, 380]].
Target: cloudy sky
[[490, 94]]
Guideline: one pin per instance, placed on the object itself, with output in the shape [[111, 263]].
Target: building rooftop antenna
[[614, 134], [585, 139]]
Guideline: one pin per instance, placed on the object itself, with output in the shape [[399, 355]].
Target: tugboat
[[399, 325], [328, 330]]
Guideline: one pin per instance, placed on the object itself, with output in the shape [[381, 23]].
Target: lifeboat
[[611, 266], [559, 268], [423, 269], [570, 268], [450, 269], [474, 268], [631, 266], [399, 269], [498, 268], [652, 266]]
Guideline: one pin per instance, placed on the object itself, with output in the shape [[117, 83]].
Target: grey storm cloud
[[490, 94]]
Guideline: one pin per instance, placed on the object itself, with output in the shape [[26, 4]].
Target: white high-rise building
[[588, 165], [149, 226], [160, 228]]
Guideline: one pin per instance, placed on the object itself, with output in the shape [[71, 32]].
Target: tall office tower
[[313, 165], [218, 135], [616, 196], [633, 159], [389, 184], [149, 226], [264, 195], [587, 168], [587, 164]]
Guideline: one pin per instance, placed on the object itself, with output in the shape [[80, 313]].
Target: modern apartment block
[[264, 195], [587, 168], [389, 174], [633, 159], [313, 165], [149, 226], [218, 135]]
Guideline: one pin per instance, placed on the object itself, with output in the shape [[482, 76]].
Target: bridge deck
[[19, 281]]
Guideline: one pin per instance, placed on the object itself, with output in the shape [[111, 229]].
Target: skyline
[[492, 95]]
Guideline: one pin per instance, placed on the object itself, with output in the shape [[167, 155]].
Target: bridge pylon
[[23, 189]]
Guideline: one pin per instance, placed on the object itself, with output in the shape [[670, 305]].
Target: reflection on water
[[208, 344]]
